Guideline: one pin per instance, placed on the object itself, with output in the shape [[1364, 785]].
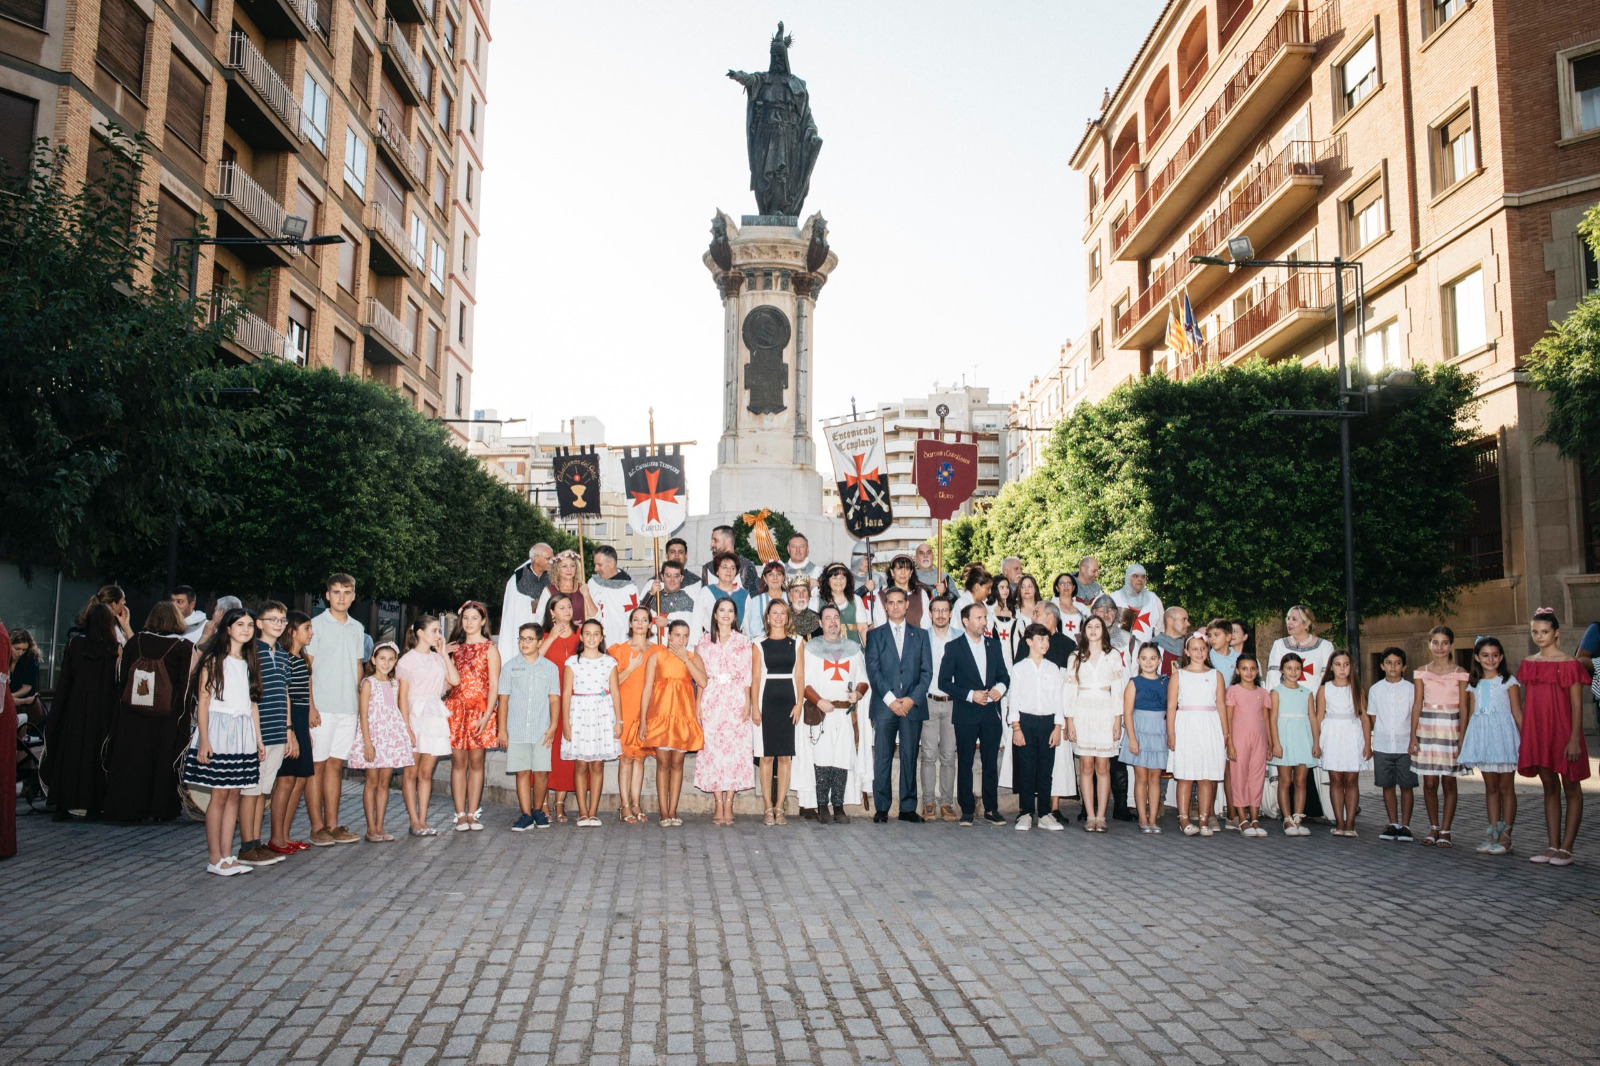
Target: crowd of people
[[796, 676]]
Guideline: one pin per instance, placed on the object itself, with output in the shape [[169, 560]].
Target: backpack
[[148, 689]]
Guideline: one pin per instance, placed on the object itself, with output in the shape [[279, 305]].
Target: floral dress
[[723, 763], [470, 699], [391, 744], [593, 716]]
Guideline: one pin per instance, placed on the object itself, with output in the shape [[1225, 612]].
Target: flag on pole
[[1183, 332]]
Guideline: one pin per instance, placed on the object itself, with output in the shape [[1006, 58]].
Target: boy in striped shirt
[[271, 618]]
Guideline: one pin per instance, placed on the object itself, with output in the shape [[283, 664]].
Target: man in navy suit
[[973, 673], [900, 669]]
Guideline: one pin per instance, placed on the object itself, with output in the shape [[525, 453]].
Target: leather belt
[[941, 699]]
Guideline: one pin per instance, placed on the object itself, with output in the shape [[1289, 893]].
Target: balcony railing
[[308, 11], [382, 321], [255, 336], [1298, 158], [241, 190], [1303, 291], [404, 57], [1291, 27], [381, 219], [393, 136], [243, 57]]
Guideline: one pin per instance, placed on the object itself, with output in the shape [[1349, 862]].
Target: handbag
[[812, 714]]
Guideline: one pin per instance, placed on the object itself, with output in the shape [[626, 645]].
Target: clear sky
[[614, 134]]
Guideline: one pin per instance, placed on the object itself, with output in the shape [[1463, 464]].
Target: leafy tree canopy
[[1565, 363]]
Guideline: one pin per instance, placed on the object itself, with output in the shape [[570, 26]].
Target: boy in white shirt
[[1034, 706], [1389, 706]]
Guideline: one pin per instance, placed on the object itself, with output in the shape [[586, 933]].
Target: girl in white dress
[[592, 710], [1345, 734], [1094, 718], [1194, 732], [426, 671]]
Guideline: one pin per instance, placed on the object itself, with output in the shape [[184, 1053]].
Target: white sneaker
[[1050, 825], [1024, 823]]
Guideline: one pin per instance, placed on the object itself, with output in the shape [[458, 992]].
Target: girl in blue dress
[[1144, 735], [1492, 737]]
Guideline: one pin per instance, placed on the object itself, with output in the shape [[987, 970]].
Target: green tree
[[108, 382], [1565, 364]]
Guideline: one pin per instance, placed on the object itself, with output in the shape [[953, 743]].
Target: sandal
[[1562, 857], [771, 818], [1544, 856], [1432, 839], [1444, 839], [1189, 829], [1205, 829], [462, 825], [627, 815], [1505, 837], [374, 838], [781, 819]]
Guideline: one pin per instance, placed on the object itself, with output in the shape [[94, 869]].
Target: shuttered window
[[18, 115], [343, 352], [360, 67], [173, 219], [29, 11], [348, 251], [186, 102], [123, 29]]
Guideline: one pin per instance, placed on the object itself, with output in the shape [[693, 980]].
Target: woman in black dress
[[777, 683], [80, 718], [143, 758]]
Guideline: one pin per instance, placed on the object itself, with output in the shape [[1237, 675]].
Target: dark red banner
[[946, 474]]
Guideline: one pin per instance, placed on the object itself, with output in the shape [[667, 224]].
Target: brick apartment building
[[1449, 145], [365, 117]]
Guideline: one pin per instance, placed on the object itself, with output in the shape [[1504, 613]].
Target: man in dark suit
[[900, 669], [973, 672]]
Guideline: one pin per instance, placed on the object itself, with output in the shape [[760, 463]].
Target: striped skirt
[[233, 763], [1438, 736]]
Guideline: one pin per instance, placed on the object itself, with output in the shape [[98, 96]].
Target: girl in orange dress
[[631, 656], [669, 715], [471, 711], [560, 644]]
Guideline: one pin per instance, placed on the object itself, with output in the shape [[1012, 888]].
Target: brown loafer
[[260, 855], [322, 838], [341, 835]]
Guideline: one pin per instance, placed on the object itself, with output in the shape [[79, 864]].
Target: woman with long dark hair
[[226, 752], [560, 643], [471, 709], [723, 764], [150, 730], [80, 720]]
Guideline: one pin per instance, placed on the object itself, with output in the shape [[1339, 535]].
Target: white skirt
[[1199, 754], [594, 726], [1093, 720], [431, 723], [1341, 746]]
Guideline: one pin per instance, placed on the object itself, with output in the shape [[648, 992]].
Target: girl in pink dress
[[386, 739], [723, 765], [1245, 727], [1552, 734]]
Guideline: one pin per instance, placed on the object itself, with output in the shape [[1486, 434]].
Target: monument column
[[729, 283]]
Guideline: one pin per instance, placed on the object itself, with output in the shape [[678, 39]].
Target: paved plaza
[[839, 944]]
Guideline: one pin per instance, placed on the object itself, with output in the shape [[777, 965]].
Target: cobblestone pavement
[[859, 943]]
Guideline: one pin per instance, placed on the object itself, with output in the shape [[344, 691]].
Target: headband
[[474, 603], [391, 645]]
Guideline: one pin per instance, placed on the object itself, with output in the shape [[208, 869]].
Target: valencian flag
[[654, 484], [577, 474], [862, 475], [946, 473]]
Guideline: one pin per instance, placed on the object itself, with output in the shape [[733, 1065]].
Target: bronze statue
[[779, 133]]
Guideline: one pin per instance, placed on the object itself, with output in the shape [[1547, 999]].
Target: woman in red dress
[[560, 644], [1552, 733], [471, 711]]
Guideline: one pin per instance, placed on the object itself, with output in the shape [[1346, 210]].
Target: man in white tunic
[[836, 681], [614, 593], [1136, 593], [523, 588]]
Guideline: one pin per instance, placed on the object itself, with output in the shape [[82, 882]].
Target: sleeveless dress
[[1092, 692], [1439, 728], [594, 720], [723, 763], [469, 700], [1342, 738], [673, 724], [632, 693], [1149, 723], [299, 720], [391, 744], [1294, 726], [1492, 739], [1199, 753], [777, 697], [230, 731], [1547, 719], [1247, 774], [424, 674], [563, 774]]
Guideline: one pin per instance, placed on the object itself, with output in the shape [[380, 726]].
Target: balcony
[[390, 249], [245, 209], [1272, 328], [1279, 193], [254, 339], [260, 106], [1250, 98], [296, 19], [401, 62], [411, 163], [388, 339], [411, 10]]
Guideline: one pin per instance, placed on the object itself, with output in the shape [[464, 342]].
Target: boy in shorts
[[530, 710], [1389, 706], [271, 618]]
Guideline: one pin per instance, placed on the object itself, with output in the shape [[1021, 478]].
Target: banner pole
[[582, 573], [656, 551]]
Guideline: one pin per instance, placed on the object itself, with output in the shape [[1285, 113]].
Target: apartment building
[[1450, 146], [363, 117], [971, 411], [1048, 398]]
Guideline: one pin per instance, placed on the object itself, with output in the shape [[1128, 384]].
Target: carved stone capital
[[731, 283], [804, 284]]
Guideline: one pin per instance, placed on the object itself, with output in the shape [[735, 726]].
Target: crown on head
[[779, 40]]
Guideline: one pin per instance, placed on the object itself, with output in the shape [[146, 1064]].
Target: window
[[1094, 266], [461, 389], [1586, 92], [414, 325], [314, 113], [186, 102], [1384, 347], [1364, 217], [173, 219], [446, 103], [466, 253], [469, 183], [1358, 75], [355, 162], [307, 206], [298, 347], [123, 29], [1119, 309], [18, 116], [349, 251], [1094, 189], [1465, 312], [419, 241], [431, 352], [1591, 268], [461, 331], [437, 267], [425, 65], [1097, 346], [472, 115], [1441, 11], [441, 187], [1454, 155], [449, 35], [411, 396], [343, 352], [1480, 549], [30, 12], [360, 67], [204, 7], [477, 48]]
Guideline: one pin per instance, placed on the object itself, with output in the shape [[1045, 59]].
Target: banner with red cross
[[657, 493], [862, 475]]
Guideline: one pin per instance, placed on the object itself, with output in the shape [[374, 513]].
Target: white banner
[[861, 471]]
